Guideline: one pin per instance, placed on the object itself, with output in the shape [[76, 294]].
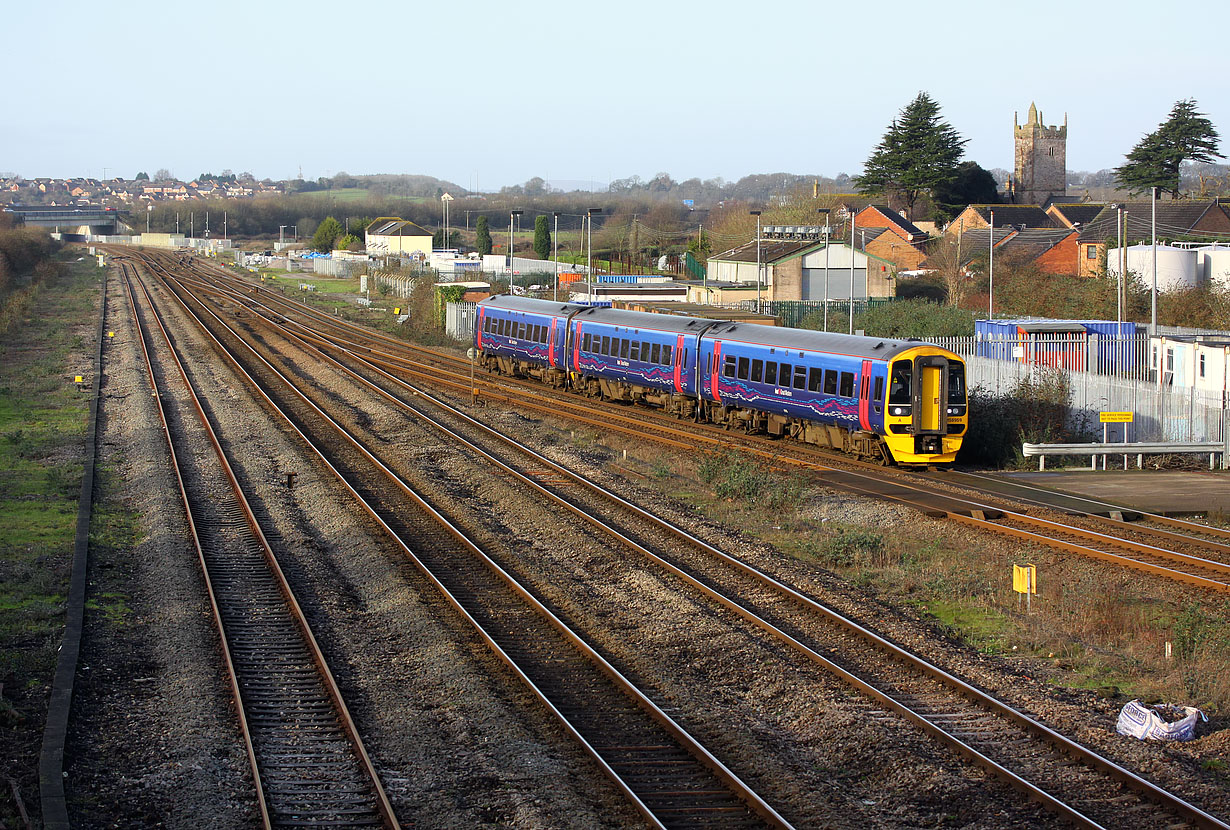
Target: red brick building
[[901, 242]]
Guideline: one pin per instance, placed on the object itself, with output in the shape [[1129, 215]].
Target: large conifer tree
[[919, 153], [1156, 160], [542, 237], [482, 236]]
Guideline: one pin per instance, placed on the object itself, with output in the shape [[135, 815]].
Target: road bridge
[[88, 219]]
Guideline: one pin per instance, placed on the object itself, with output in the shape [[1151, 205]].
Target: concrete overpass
[[69, 219]]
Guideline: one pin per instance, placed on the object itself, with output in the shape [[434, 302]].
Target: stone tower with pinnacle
[[1041, 159]]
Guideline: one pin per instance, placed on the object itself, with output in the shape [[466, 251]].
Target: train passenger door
[[932, 394], [679, 365], [864, 396], [551, 343]]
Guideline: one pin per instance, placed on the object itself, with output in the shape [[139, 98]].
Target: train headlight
[[898, 410]]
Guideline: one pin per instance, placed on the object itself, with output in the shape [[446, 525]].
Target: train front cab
[[927, 411]]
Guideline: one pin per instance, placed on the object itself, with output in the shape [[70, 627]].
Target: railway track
[[668, 775], [1201, 556], [306, 756], [1006, 742]]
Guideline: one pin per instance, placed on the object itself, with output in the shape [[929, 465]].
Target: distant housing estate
[[117, 191]]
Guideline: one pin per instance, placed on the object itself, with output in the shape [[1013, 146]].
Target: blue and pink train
[[896, 401]]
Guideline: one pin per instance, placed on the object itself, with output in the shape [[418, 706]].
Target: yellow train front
[[927, 411]]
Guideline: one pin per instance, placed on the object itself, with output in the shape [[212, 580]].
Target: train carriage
[[524, 336], [637, 356], [892, 400]]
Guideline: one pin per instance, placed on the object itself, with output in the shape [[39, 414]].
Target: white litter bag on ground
[[1158, 723]]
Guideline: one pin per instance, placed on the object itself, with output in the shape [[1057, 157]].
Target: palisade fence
[[459, 321], [1103, 374]]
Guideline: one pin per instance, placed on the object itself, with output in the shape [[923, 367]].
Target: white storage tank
[[1215, 265], [1176, 267]]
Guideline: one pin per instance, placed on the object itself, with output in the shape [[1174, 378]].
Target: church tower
[[1041, 160]]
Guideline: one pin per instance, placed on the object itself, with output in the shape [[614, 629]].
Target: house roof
[[1174, 218], [1032, 243], [1080, 214], [771, 250], [975, 242], [396, 227], [907, 228], [1020, 216]]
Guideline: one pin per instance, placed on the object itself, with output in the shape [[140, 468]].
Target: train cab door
[[930, 394]]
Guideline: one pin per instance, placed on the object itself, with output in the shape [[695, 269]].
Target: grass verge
[[43, 419]]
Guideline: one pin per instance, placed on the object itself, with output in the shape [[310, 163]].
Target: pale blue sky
[[496, 93]]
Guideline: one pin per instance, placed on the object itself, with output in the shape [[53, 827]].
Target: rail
[[1137, 448]]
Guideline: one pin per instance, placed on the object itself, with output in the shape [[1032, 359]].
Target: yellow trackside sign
[[1115, 417], [1025, 579]]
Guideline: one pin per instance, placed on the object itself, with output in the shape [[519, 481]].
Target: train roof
[[877, 348], [531, 305], [645, 320]]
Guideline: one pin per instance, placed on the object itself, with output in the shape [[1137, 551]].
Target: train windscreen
[[956, 383]]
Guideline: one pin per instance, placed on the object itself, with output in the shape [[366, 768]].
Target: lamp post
[[512, 218], [853, 220], [148, 210], [1153, 313], [1119, 282], [756, 213], [826, 212], [555, 241], [991, 272], [444, 200], [589, 262]]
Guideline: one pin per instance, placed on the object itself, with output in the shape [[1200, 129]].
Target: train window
[[785, 372], [486, 325], [800, 377], [830, 382], [757, 370], [743, 364], [847, 384], [770, 372], [879, 393], [728, 368], [585, 342], [666, 354], [644, 351], [623, 348], [814, 374], [656, 354], [504, 327], [542, 334], [956, 383], [634, 353], [520, 334], [899, 383], [606, 345]]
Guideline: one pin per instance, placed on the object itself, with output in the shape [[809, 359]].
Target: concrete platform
[[1170, 493]]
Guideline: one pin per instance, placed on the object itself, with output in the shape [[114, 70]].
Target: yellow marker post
[[1124, 418], [1025, 581], [396, 310], [78, 379], [111, 334]]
